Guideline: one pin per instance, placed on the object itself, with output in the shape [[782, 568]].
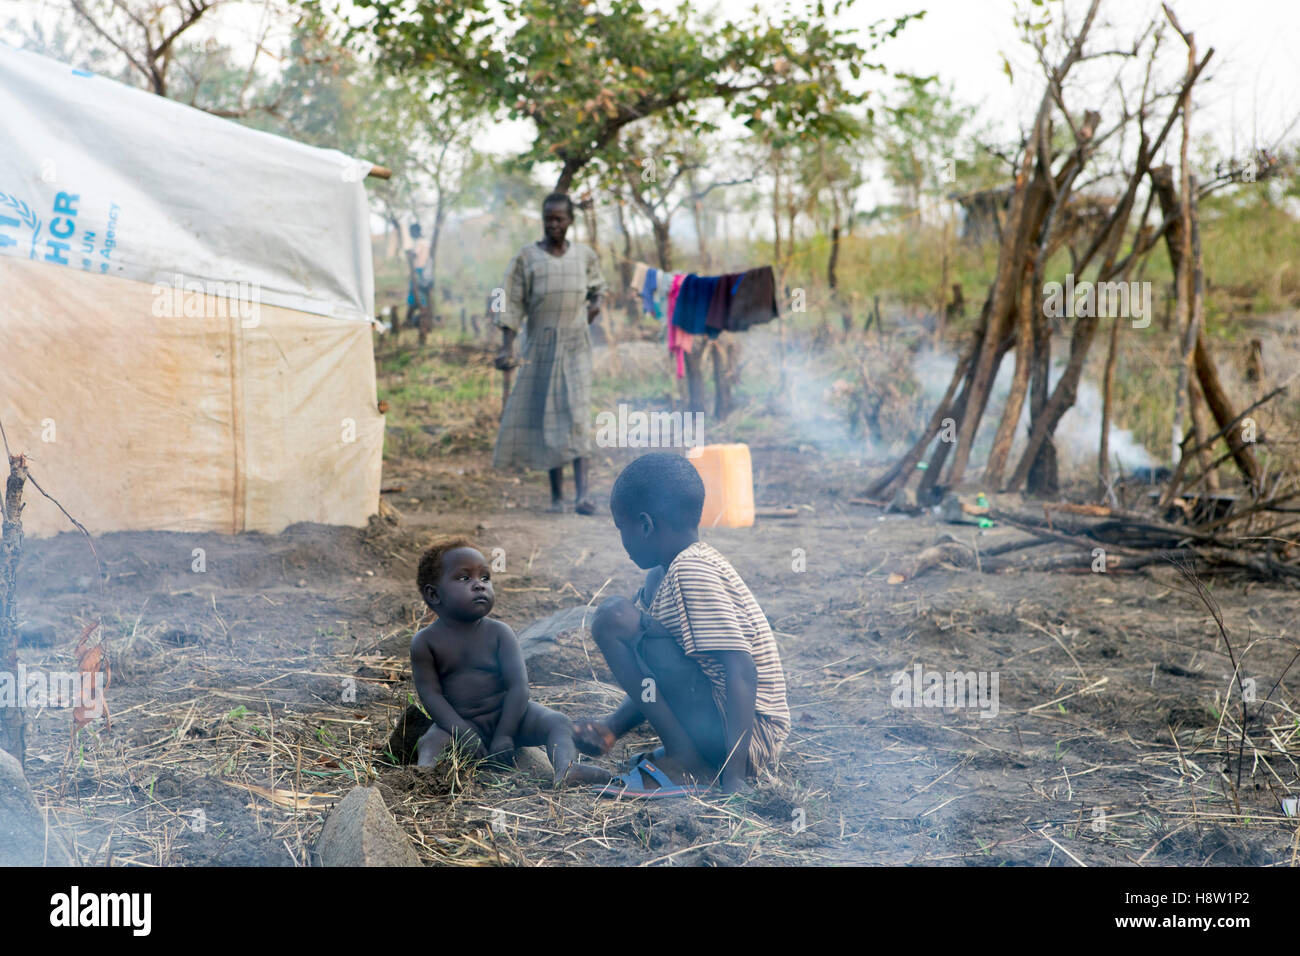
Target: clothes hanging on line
[[679, 343], [649, 286], [677, 346], [731, 302], [639, 270], [715, 320], [753, 300], [691, 305], [663, 281]]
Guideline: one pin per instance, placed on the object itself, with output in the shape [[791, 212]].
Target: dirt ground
[[233, 729]]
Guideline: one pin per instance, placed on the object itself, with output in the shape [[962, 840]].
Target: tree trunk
[[12, 719], [1203, 430], [833, 259], [726, 364], [1019, 384], [439, 219], [1107, 405], [1188, 318], [630, 300], [1029, 204], [902, 469], [694, 362], [572, 166], [1216, 398], [697, 217], [776, 213], [663, 248], [1061, 400]]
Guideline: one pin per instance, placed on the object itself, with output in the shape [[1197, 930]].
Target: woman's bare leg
[[556, 475], [584, 506]]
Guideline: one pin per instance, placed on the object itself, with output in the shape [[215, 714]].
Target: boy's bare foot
[[557, 506], [580, 773], [593, 737], [679, 773], [585, 506]]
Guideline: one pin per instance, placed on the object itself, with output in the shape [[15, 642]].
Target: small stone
[[302, 582]]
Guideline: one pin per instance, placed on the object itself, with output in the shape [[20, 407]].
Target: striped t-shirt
[[706, 606]]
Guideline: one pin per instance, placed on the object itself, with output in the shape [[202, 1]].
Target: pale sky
[[1253, 95], [1253, 91]]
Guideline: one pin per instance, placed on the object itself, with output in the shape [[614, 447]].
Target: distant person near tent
[[553, 290], [419, 308]]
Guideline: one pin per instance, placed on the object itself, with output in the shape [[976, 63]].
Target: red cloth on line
[[679, 342]]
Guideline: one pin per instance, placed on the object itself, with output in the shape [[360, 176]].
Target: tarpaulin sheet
[[100, 177], [184, 314]]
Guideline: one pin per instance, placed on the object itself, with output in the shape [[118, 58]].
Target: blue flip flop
[[651, 755], [633, 785]]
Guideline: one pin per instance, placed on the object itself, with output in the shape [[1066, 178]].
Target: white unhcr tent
[[185, 313]]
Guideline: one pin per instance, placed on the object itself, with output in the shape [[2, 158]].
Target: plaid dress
[[547, 420]]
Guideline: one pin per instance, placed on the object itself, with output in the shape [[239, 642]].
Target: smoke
[[1077, 434], [823, 407]]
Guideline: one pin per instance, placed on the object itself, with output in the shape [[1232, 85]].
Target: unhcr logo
[[208, 299], [1101, 300], [636, 429]]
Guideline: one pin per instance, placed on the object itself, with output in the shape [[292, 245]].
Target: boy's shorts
[[693, 697]]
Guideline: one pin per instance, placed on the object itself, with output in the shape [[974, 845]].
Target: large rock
[[24, 838], [540, 645], [362, 832]]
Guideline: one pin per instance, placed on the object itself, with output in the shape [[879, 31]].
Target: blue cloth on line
[[648, 293], [693, 300]]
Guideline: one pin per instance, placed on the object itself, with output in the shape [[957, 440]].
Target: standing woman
[[555, 287]]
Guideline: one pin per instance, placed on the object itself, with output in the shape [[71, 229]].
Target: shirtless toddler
[[469, 672]]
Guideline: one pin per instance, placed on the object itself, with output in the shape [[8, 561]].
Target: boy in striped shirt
[[694, 653]]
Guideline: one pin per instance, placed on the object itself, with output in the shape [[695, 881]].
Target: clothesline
[[691, 305]]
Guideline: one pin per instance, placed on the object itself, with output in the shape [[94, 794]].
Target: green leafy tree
[[930, 147], [584, 73], [329, 97], [831, 173]]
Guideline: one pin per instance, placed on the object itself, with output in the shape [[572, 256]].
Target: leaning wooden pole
[[1207, 375], [12, 718]]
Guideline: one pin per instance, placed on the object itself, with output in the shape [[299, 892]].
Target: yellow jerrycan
[[728, 478]]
